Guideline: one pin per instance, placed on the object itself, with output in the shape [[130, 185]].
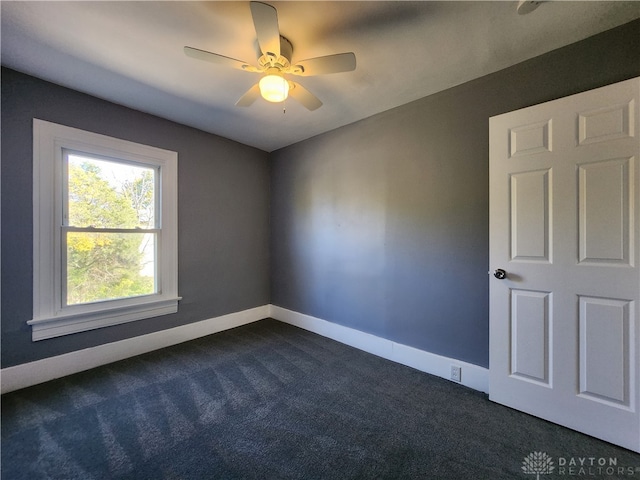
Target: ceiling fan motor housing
[[282, 61]]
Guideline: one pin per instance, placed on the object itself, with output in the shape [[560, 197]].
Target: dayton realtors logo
[[539, 463]]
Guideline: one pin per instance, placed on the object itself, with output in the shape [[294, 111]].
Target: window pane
[[107, 194], [106, 266]]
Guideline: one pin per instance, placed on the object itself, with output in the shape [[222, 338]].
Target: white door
[[565, 226]]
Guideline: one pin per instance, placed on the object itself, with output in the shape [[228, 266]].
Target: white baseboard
[[472, 376], [33, 373]]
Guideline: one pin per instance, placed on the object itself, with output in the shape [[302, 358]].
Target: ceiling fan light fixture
[[274, 88], [275, 61]]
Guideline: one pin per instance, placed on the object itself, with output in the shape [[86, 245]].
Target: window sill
[[65, 324]]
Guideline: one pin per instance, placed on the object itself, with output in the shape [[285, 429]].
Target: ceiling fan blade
[[249, 97], [304, 96], [340, 62], [218, 59], [265, 20]]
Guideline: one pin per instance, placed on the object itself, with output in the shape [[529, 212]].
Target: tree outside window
[[110, 243]]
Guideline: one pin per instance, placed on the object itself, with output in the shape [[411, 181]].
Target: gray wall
[[382, 225], [223, 195]]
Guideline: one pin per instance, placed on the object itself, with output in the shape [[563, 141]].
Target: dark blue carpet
[[271, 401]]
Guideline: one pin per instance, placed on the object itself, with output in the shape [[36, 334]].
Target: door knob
[[500, 274]]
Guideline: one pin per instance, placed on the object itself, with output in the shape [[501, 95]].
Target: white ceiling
[[131, 53]]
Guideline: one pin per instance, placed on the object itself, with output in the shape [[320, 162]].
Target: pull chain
[[284, 103]]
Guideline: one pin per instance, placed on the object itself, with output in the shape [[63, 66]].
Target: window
[[105, 231]]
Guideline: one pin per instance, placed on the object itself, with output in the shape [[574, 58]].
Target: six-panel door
[[564, 224]]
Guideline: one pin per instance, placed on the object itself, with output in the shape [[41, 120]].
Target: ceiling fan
[[275, 62]]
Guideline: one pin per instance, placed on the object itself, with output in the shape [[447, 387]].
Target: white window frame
[[51, 318]]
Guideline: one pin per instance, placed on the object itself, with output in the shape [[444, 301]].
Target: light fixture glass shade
[[274, 88]]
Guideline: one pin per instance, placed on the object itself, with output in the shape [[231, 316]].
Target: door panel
[[530, 139], [564, 224], [530, 209], [530, 335], [604, 211], [604, 350], [608, 123]]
